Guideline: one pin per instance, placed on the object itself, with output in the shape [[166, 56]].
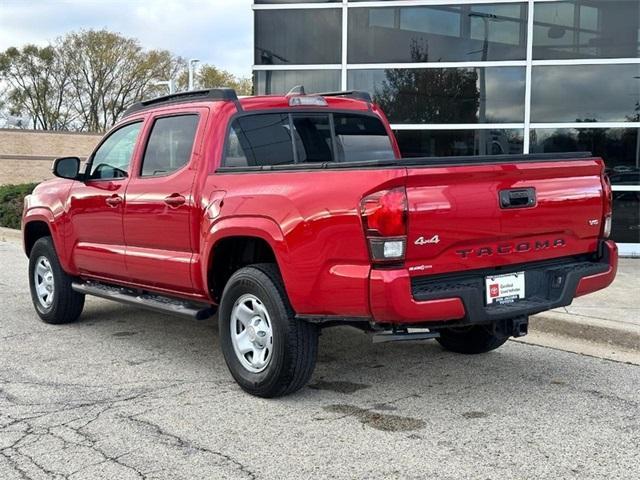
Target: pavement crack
[[184, 444]]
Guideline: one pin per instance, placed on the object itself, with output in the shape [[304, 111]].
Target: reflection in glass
[[444, 143], [298, 36], [619, 147], [585, 93], [438, 33], [445, 95], [586, 29], [281, 81], [625, 227]]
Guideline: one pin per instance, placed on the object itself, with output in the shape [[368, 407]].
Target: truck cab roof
[[344, 100]]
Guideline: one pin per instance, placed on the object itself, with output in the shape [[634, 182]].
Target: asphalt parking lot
[[125, 393]]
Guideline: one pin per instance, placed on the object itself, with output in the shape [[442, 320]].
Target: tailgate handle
[[518, 198]]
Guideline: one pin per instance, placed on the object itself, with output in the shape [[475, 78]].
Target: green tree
[[209, 76]]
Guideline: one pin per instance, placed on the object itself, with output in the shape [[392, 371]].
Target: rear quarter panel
[[323, 256]]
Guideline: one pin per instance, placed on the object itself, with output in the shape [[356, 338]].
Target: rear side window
[[170, 145], [259, 140], [287, 138]]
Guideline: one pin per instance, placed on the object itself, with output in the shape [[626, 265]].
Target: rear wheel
[[53, 298], [268, 351], [471, 340]]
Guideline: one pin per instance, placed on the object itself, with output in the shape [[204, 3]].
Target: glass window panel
[[281, 81], [169, 145], [436, 21], [113, 157], [576, 93], [258, 140], [312, 137], [298, 36], [619, 147], [586, 29], [437, 33], [360, 137], [625, 227], [445, 95], [445, 143]]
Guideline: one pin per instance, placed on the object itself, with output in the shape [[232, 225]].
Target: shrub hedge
[[11, 202]]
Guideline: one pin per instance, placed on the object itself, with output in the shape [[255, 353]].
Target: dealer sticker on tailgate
[[505, 288]]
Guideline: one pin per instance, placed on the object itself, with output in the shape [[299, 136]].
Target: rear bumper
[[458, 298]]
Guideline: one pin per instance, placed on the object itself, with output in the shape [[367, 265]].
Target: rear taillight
[[384, 216], [608, 208]]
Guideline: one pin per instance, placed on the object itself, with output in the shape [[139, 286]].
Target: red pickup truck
[[292, 213]]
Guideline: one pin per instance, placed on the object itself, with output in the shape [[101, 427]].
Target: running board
[[158, 303], [401, 336]]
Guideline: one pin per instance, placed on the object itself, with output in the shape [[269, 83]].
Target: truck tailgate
[[483, 215]]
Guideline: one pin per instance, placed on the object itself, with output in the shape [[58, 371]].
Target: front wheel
[[268, 351], [472, 339], [53, 298]]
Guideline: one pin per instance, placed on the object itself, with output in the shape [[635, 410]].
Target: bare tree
[[37, 81], [108, 72]]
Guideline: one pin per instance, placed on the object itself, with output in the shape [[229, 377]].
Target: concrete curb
[[617, 334], [10, 235]]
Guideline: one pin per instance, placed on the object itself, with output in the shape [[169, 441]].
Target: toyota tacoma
[[286, 214]]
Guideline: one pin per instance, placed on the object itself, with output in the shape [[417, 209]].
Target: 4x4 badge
[[424, 241]]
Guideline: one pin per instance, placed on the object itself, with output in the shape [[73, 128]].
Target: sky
[[218, 32]]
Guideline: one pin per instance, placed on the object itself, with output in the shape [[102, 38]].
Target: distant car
[[295, 212]]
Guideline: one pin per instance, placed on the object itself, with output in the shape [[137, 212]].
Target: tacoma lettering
[[505, 248]]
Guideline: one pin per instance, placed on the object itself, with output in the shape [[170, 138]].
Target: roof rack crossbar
[[193, 95]]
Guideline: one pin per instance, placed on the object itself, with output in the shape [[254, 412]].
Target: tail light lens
[[384, 216], [608, 208]]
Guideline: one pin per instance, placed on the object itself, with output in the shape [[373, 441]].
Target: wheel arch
[[238, 242], [38, 223]]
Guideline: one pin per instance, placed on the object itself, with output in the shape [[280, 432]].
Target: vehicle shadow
[[348, 362]]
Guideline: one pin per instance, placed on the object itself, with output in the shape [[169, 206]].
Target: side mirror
[[67, 167]]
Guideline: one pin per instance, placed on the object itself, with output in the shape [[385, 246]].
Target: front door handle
[[175, 200], [114, 200]]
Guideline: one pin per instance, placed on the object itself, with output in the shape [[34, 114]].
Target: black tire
[[295, 342], [471, 340], [65, 305]]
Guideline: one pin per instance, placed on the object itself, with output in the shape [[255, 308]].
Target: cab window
[[170, 145], [113, 157]]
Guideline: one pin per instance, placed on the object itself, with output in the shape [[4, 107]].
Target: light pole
[[192, 64]]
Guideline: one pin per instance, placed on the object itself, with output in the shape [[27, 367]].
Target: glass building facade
[[474, 77]]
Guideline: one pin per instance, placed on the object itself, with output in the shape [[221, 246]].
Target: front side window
[[113, 157], [282, 139], [170, 145]]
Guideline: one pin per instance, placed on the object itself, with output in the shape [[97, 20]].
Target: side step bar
[[158, 303], [402, 335]]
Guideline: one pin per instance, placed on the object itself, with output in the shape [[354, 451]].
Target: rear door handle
[[175, 200], [114, 200]]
